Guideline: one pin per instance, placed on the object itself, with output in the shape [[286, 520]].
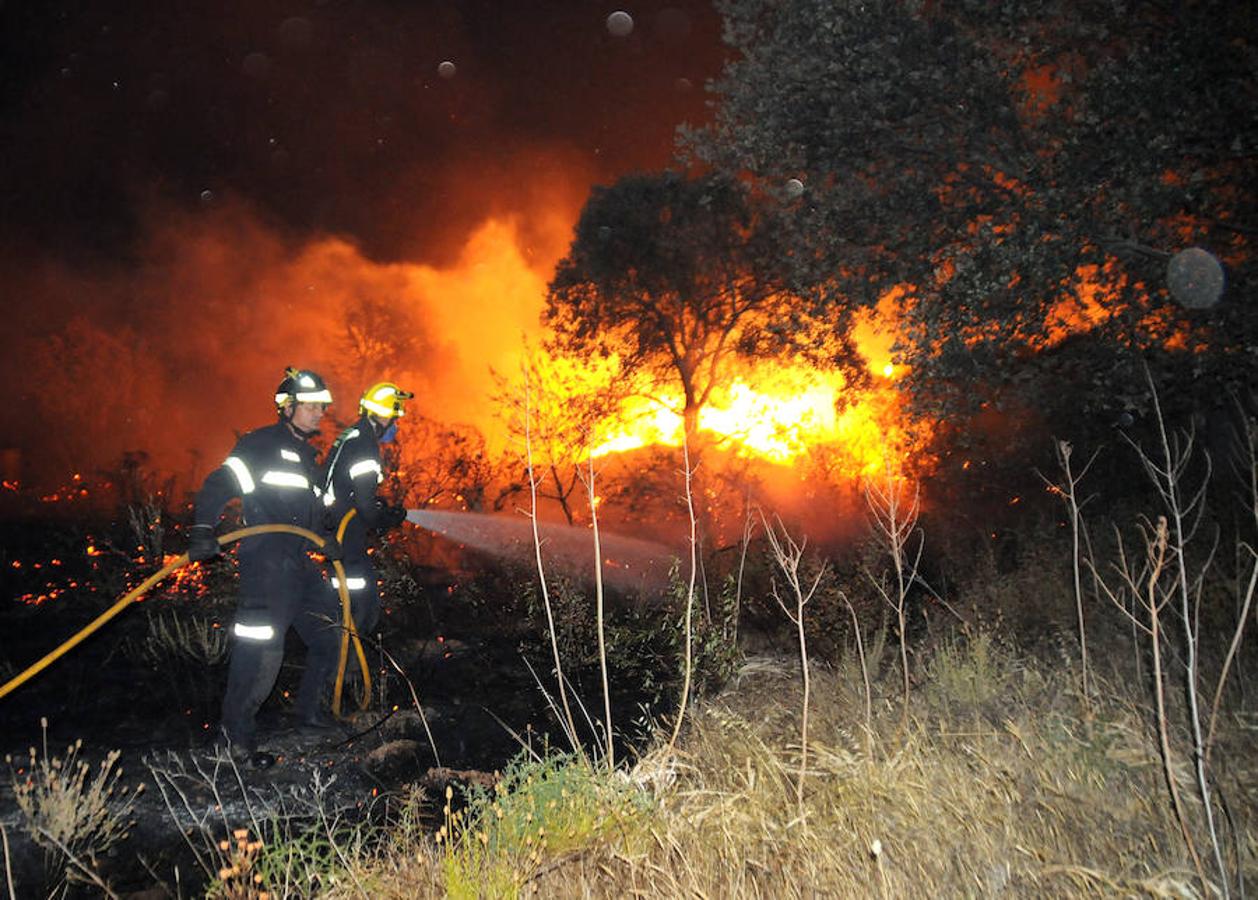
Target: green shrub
[[304, 863], [969, 671], [540, 809]]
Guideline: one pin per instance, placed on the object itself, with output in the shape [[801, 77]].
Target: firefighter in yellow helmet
[[353, 472]]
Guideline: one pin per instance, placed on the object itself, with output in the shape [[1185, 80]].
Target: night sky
[[330, 116], [173, 173]]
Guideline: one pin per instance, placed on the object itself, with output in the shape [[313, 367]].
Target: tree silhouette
[[1020, 166], [443, 465], [379, 338]]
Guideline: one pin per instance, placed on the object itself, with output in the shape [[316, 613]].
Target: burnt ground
[[457, 645]]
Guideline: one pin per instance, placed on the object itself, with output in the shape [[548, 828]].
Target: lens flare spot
[[619, 23]]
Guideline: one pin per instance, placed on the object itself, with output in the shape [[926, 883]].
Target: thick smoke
[[180, 349], [197, 195]]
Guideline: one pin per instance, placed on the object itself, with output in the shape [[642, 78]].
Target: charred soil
[[454, 698]]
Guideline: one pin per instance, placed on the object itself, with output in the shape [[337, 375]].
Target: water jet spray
[[628, 563]]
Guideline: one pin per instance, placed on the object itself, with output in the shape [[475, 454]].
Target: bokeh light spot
[[619, 23], [1195, 278]]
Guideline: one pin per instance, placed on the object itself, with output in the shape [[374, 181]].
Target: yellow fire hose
[[348, 632], [346, 616]]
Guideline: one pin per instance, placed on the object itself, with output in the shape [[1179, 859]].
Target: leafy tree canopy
[[1024, 167]]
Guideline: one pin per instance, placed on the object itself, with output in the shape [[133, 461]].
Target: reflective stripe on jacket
[[273, 473], [352, 473]]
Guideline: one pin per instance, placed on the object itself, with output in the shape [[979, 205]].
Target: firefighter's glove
[[202, 544], [391, 517], [332, 549]]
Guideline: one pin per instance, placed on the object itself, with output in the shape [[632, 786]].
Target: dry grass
[[73, 813], [955, 805], [1002, 783], [174, 639]]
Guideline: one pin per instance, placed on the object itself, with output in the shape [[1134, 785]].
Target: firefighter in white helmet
[[273, 472], [353, 472]]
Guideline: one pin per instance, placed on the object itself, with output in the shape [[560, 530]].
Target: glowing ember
[[186, 580]]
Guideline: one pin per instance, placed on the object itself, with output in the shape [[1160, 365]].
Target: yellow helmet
[[385, 400]]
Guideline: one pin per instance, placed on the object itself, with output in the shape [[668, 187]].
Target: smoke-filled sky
[[197, 194]]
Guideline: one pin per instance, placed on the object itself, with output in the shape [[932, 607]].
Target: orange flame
[[780, 412], [777, 414]]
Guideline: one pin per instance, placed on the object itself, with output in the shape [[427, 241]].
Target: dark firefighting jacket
[[352, 473], [274, 474]]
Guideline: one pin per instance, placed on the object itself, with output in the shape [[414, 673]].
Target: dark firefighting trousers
[[276, 592], [364, 596]]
